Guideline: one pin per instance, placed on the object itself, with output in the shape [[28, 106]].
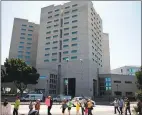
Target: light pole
[[81, 61], [67, 76]]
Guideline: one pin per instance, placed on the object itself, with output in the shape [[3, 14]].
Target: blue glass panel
[[42, 77]]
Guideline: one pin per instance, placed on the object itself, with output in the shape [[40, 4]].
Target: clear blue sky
[[121, 19]]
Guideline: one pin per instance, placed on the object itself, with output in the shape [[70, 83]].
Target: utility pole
[[67, 76]]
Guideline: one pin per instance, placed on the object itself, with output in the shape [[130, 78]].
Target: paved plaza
[[98, 110]]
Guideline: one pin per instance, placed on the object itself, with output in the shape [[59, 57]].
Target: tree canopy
[[21, 74], [139, 78]]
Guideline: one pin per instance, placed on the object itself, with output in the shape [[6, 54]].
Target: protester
[[69, 104], [90, 107], [16, 106], [37, 105], [121, 105], [64, 106], [77, 107], [86, 107], [30, 106], [82, 106], [116, 105], [6, 108], [49, 107], [127, 106]]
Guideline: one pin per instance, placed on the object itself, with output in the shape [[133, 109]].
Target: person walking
[[37, 105], [139, 105], [64, 106], [69, 104], [86, 108], [121, 105], [50, 107], [30, 106], [116, 105], [82, 106], [77, 107], [16, 106], [127, 106], [6, 108], [90, 107]]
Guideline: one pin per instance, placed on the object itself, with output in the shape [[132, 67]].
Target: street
[[98, 110]]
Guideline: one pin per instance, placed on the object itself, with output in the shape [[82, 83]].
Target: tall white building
[[24, 41], [71, 31], [126, 70]]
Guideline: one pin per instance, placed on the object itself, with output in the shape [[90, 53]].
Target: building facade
[[126, 70], [24, 41], [70, 42], [117, 85]]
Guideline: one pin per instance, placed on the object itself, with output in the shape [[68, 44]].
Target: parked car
[[60, 98]]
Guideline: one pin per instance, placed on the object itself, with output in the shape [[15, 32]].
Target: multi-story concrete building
[[125, 70], [70, 42], [24, 41]]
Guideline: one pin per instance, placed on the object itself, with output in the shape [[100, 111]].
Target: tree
[[139, 79], [18, 72]]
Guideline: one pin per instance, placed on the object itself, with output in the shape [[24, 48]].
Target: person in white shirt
[[116, 105], [6, 108]]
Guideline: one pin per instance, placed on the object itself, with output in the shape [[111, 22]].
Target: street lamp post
[[67, 76]]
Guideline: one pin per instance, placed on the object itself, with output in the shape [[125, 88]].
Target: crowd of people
[[85, 106]]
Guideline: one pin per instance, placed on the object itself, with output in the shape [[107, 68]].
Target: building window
[[74, 51], [48, 27], [21, 47], [55, 31], [67, 7], [49, 17], [24, 25], [65, 46], [54, 47], [54, 59], [66, 12], [108, 83], [65, 52], [29, 34], [74, 10], [74, 16], [117, 81], [47, 54], [66, 34], [29, 38], [50, 12], [74, 27], [28, 48], [46, 60], [56, 15], [121, 70], [56, 25], [66, 40], [55, 36], [47, 43], [49, 22], [30, 26], [66, 23], [65, 58], [74, 45], [128, 82], [23, 29], [47, 48], [21, 42], [73, 39], [54, 42], [74, 21], [20, 56], [30, 30], [57, 10], [48, 32], [54, 54], [66, 17], [28, 53], [27, 57], [27, 62], [74, 32], [22, 33], [48, 37], [56, 20], [22, 38], [66, 28], [74, 5], [29, 43], [74, 57]]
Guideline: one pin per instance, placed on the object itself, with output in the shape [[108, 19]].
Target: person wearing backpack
[[64, 106]]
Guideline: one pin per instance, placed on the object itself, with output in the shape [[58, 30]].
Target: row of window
[[25, 30], [65, 58], [74, 21], [25, 34], [22, 47], [24, 25], [65, 8], [21, 52], [24, 43], [21, 56], [65, 52], [73, 27], [129, 82], [65, 34]]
